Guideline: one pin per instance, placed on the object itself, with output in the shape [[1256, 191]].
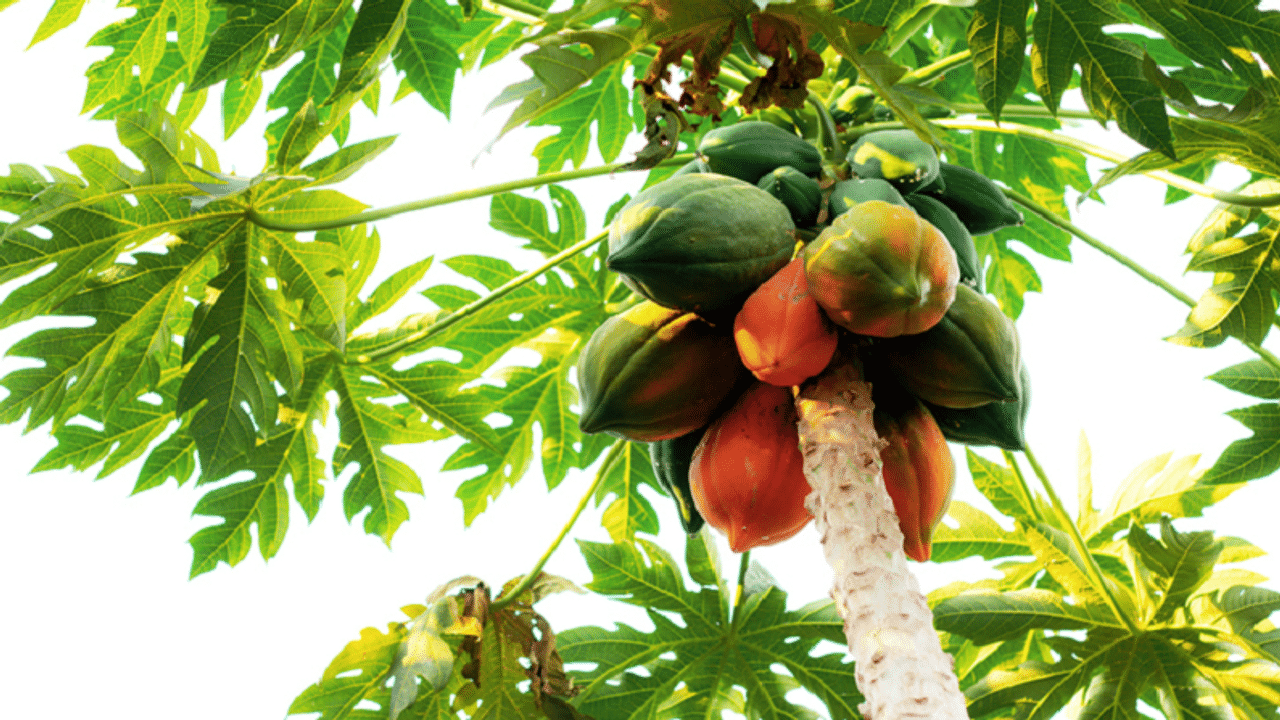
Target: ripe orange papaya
[[918, 470], [653, 373], [881, 270], [782, 336], [968, 359], [747, 475]]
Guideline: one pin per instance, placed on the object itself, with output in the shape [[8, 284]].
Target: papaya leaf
[[374, 33], [260, 35], [1211, 32], [141, 41], [1060, 558], [429, 63], [999, 485], [527, 218], [357, 674], [1253, 457], [1241, 302], [135, 309], [997, 38], [629, 512], [1181, 562], [389, 291], [992, 617], [126, 432], [174, 457], [1155, 488], [977, 535], [369, 419], [1251, 377], [559, 69], [1035, 690], [603, 103], [1126, 670], [242, 344], [1180, 686], [61, 15], [711, 652], [1245, 608], [549, 319], [1070, 32], [314, 78], [1253, 144], [238, 100]]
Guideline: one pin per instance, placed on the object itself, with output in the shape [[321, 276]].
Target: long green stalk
[[1091, 563], [936, 69], [265, 221], [1087, 148], [478, 304], [1050, 217], [1020, 111], [529, 579], [744, 562]]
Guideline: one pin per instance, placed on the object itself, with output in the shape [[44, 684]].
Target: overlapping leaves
[[1125, 635], [691, 667]]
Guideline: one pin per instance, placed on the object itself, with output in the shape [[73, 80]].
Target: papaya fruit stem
[[527, 581], [265, 221], [478, 304], [1092, 569], [744, 561], [1052, 218], [902, 669]]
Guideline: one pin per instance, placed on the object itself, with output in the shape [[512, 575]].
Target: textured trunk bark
[[901, 667]]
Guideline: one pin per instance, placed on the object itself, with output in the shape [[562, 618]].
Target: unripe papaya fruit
[[783, 337], [847, 193], [700, 242], [941, 217], [671, 459], [748, 150], [977, 201], [800, 193], [968, 359], [747, 475], [653, 373], [918, 470], [898, 156], [880, 270], [999, 423], [695, 165]]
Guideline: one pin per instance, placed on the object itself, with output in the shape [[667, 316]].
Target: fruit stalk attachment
[[902, 669]]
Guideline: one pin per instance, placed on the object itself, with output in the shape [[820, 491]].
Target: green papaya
[[700, 242], [800, 193], [970, 358], [748, 150], [847, 193], [977, 201], [941, 217], [653, 373], [898, 156], [671, 459], [998, 423], [695, 165]]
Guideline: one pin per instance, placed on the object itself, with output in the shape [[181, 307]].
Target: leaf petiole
[[527, 581], [265, 221]]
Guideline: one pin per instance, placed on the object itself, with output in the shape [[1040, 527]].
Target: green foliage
[[196, 329], [715, 647]]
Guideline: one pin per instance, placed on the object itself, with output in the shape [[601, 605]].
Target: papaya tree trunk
[[901, 668]]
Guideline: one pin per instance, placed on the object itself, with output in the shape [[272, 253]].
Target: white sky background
[[98, 612]]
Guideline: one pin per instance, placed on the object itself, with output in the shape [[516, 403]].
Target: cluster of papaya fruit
[[737, 312]]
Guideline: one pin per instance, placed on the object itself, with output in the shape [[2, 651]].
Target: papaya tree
[[806, 302]]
